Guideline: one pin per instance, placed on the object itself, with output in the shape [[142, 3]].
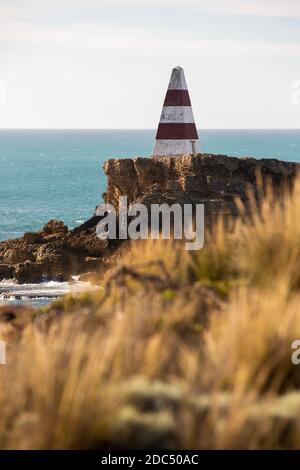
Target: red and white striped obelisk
[[177, 133]]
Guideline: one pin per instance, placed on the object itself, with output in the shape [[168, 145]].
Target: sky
[[106, 63]]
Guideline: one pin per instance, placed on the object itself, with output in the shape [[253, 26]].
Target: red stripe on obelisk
[[177, 98], [177, 131]]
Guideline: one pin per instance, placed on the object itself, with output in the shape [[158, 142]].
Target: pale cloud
[[134, 41], [20, 23], [265, 8]]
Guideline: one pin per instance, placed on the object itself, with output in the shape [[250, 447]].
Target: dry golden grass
[[175, 350]]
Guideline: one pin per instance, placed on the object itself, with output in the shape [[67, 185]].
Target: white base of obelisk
[[164, 148]]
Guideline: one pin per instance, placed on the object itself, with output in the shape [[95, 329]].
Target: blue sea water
[[47, 174]]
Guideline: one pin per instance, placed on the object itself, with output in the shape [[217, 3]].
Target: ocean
[[48, 174]]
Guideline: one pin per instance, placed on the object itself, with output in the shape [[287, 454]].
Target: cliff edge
[[213, 180]]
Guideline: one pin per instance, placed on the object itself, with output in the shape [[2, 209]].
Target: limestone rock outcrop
[[212, 180], [55, 252]]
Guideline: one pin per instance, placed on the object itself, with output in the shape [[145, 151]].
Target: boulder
[[6, 271], [32, 237], [28, 272], [18, 254], [54, 226]]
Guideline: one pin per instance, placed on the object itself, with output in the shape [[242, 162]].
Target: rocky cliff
[[55, 252], [213, 180]]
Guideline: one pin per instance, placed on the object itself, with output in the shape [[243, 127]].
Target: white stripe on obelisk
[[174, 147], [173, 114]]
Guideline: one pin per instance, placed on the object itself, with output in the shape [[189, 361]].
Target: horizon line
[[146, 129]]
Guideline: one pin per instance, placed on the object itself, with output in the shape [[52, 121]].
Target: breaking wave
[[39, 294]]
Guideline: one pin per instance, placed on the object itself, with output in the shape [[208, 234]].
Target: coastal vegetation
[[175, 349]]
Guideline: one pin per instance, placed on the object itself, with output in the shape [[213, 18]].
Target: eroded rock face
[[212, 180], [52, 253]]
